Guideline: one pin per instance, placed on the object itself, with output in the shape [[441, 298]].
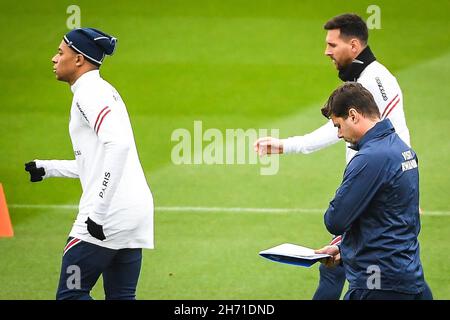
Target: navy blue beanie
[[93, 44]]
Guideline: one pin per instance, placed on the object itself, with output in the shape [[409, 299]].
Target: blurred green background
[[230, 64]]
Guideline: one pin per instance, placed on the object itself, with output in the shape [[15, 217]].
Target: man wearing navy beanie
[[91, 43], [115, 214]]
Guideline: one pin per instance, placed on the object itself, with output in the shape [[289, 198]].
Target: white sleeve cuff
[[292, 145], [43, 164]]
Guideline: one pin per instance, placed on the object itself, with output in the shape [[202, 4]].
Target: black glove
[[95, 230], [36, 174]]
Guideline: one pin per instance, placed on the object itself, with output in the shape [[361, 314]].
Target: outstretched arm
[[320, 138], [42, 169]]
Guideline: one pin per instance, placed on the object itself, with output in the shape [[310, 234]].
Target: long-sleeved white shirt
[[115, 191], [387, 94]]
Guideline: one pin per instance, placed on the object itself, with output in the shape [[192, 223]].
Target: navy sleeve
[[362, 179]]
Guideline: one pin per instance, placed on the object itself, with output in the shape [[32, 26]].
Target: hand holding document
[[293, 254]]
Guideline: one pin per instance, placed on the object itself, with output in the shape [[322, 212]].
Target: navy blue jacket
[[376, 208]]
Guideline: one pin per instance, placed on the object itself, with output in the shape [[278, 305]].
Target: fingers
[[332, 261], [331, 250], [268, 145], [261, 146], [30, 166], [323, 250], [329, 263], [36, 174], [337, 258], [95, 229], [261, 142]]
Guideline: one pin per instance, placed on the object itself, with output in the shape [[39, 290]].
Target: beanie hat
[[93, 44]]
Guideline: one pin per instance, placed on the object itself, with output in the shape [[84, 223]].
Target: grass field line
[[194, 209]]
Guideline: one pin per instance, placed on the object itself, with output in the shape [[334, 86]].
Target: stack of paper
[[293, 254]]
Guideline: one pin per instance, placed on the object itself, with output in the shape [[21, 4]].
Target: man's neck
[[79, 73], [356, 67], [87, 76], [358, 52], [366, 126]]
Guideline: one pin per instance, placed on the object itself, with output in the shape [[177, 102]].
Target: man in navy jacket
[[376, 208]]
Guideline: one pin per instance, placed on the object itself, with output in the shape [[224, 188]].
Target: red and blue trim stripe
[[100, 117]]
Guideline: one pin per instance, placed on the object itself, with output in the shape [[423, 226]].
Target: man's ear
[[353, 115], [79, 60], [355, 44]]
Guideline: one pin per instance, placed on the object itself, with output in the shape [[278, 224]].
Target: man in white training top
[[115, 217], [346, 45]]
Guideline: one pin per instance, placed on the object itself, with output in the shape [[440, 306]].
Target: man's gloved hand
[[95, 229], [36, 174]]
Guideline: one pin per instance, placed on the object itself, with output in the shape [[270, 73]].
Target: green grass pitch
[[231, 64]]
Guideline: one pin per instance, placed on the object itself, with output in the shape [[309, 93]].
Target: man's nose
[[54, 59]]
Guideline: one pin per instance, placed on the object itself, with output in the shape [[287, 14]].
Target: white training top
[[387, 94], [115, 191]]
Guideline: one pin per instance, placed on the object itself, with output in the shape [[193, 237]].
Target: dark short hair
[[351, 95], [350, 25]]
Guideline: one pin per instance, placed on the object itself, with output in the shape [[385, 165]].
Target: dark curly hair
[[351, 95]]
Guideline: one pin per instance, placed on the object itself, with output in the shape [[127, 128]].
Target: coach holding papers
[[376, 207]]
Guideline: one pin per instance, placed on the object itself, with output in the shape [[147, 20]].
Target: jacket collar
[[354, 69], [381, 129], [85, 78]]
